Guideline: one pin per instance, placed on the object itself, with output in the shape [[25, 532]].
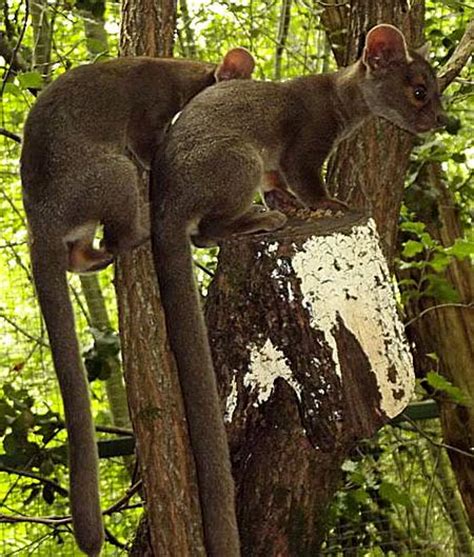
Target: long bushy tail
[[52, 290], [189, 342]]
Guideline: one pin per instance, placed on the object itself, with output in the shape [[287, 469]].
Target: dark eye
[[420, 93]]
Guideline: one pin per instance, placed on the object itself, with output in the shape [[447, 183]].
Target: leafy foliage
[[429, 261], [395, 494]]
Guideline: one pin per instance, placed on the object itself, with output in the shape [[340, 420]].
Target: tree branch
[[17, 63], [282, 36], [458, 59], [23, 331], [439, 306], [56, 521], [10, 135], [15, 51], [61, 490], [419, 430]]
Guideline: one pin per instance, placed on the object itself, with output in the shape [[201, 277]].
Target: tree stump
[[310, 357]]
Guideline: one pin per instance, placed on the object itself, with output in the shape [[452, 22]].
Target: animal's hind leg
[[125, 220], [84, 258]]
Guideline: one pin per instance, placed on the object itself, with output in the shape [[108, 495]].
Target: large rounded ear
[[384, 45], [238, 63]]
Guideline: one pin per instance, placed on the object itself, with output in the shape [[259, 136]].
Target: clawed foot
[[281, 200], [330, 203], [256, 219]]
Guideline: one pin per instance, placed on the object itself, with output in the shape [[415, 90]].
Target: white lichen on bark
[[268, 363], [231, 401], [346, 276]]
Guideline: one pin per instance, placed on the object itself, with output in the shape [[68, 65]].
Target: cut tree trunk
[[296, 407], [310, 357]]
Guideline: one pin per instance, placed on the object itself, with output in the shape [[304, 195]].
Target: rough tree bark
[[369, 168], [152, 385]]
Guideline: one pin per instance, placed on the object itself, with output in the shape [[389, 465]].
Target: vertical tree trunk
[[94, 28], [41, 20], [99, 319], [152, 385], [282, 35], [448, 332]]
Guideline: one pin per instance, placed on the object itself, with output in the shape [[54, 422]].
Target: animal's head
[[400, 84]]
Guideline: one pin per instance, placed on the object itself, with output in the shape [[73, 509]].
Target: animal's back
[[93, 109], [253, 110]]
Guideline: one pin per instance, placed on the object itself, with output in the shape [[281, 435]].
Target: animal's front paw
[[274, 220]]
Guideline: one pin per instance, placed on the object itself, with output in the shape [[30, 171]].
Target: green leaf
[[407, 282], [49, 493], [23, 422], [11, 444], [441, 289], [412, 248], [358, 478], [107, 343], [461, 248], [349, 466], [360, 495], [459, 157], [35, 491], [453, 126], [440, 261], [393, 494], [30, 80], [13, 89], [404, 265], [415, 227], [376, 552], [427, 240], [6, 409], [440, 383], [46, 467]]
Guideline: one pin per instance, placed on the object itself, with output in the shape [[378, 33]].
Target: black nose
[[442, 120]]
